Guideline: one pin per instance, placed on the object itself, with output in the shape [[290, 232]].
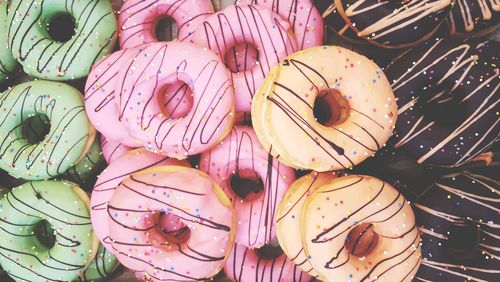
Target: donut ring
[[241, 155], [65, 207], [8, 65], [267, 31], [43, 57], [464, 85], [334, 22], [205, 124], [101, 267], [87, 169], [67, 142], [331, 214], [137, 19], [112, 150], [186, 194], [473, 17], [394, 24], [288, 218], [356, 125], [125, 165], [459, 222]]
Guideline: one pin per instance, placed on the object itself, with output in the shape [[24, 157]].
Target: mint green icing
[[22, 255], [101, 267], [85, 172], [67, 141], [8, 65], [41, 56]]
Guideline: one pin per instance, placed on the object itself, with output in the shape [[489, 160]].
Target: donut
[[263, 29], [458, 217], [321, 118], [394, 24], [34, 41], [159, 65], [171, 223], [129, 163], [447, 93], [64, 207], [112, 150], [101, 267], [334, 22], [288, 218], [253, 180], [8, 65], [86, 170], [474, 17], [67, 141], [138, 20], [359, 228]]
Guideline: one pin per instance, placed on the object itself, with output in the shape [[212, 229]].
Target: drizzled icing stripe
[[394, 24], [453, 201], [457, 77], [473, 16]]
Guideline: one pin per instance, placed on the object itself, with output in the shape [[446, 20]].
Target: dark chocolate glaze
[[473, 17], [334, 21]]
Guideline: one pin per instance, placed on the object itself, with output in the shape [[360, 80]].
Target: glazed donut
[[319, 118], [138, 19], [65, 208], [67, 142], [288, 218], [101, 267], [266, 31], [112, 150], [8, 65], [125, 165], [253, 180], [359, 228], [158, 65], [86, 170], [447, 93], [458, 217], [394, 24], [473, 17], [268, 263], [46, 57], [194, 246]]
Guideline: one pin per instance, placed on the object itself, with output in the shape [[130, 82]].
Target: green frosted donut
[[8, 64], [101, 267], [65, 207], [67, 142], [42, 56], [85, 172]]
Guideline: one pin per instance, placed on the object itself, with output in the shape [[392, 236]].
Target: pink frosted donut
[[254, 181], [245, 264], [112, 150], [171, 223], [266, 31], [138, 19], [159, 65], [111, 177]]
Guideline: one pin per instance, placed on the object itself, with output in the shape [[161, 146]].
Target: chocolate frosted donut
[[334, 21], [459, 221], [473, 16], [447, 93], [394, 23]]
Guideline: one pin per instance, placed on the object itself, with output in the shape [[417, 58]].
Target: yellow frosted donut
[[359, 228], [288, 218], [324, 108]]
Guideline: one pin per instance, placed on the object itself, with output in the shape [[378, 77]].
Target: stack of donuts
[[195, 140]]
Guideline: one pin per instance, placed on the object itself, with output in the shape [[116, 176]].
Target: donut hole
[[166, 29], [241, 57], [270, 251], [170, 230], [61, 27], [35, 128], [463, 241], [361, 240], [45, 234], [176, 99], [330, 108], [246, 184]]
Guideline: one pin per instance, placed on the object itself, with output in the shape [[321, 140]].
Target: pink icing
[[138, 18], [206, 123], [242, 152], [112, 150], [184, 193], [111, 177], [264, 29]]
